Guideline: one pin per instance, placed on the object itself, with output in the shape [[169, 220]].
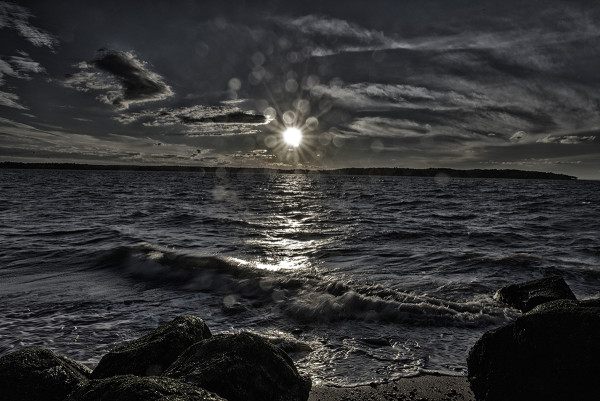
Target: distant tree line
[[383, 171]]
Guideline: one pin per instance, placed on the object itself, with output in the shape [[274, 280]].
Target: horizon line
[[375, 171]]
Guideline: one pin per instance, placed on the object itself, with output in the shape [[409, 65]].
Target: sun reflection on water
[[294, 263], [287, 238], [284, 253]]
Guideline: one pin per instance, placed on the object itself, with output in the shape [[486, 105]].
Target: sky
[[428, 83]]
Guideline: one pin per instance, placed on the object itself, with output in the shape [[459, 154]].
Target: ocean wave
[[299, 295], [338, 300]]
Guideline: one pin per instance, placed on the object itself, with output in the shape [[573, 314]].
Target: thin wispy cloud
[[382, 127], [8, 69], [18, 139], [16, 17], [507, 39], [367, 95], [567, 139], [328, 36], [21, 67], [314, 24], [10, 100], [24, 65]]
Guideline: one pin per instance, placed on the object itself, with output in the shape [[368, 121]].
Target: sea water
[[360, 279]]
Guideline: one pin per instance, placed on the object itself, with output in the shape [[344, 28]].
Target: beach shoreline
[[425, 387]]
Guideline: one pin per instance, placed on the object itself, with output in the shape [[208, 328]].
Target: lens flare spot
[[292, 136], [289, 117]]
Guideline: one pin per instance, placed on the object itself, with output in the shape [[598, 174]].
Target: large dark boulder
[[135, 388], [151, 354], [551, 353], [528, 295], [33, 374], [241, 367]]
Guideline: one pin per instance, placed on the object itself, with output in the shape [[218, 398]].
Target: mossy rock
[[241, 367], [34, 374], [135, 388], [549, 354], [151, 354], [526, 296]]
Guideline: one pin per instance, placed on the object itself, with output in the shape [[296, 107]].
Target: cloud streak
[[327, 36], [19, 141], [192, 116], [10, 100], [18, 67], [381, 127], [16, 17]]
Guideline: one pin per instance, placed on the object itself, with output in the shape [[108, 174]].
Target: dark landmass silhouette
[[377, 171]]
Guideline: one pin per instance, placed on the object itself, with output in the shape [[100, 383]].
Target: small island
[[374, 171]]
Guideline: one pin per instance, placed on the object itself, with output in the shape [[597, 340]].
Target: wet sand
[[420, 388]]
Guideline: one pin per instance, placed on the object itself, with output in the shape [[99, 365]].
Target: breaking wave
[[305, 297]]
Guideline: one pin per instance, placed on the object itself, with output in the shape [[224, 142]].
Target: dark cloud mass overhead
[[433, 83], [123, 69]]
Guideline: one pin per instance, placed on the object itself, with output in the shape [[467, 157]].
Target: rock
[[151, 354], [590, 303], [135, 388], [566, 304], [241, 367], [550, 353], [528, 295], [33, 374]]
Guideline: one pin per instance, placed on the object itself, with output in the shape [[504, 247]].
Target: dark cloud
[[235, 117], [193, 116], [139, 84], [129, 81]]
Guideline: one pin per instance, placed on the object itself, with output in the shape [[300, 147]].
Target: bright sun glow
[[292, 136]]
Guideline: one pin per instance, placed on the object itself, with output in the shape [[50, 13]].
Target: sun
[[292, 136]]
